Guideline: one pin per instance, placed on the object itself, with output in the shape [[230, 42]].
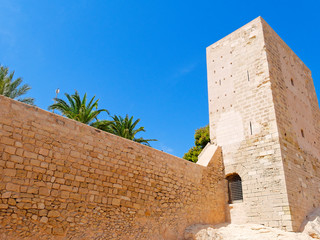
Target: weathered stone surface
[[264, 113], [44, 219], [3, 206], [311, 225], [241, 232], [71, 181], [53, 214], [13, 187]]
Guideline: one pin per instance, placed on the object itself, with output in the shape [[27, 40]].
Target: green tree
[[11, 88], [123, 127], [78, 109], [202, 138]]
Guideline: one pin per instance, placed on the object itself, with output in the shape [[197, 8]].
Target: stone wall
[[60, 179], [243, 123], [298, 116]]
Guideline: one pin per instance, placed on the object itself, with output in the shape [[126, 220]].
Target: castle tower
[[264, 114]]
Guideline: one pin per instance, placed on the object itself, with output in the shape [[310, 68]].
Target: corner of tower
[[255, 22]]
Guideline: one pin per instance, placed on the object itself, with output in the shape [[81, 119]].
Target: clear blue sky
[[144, 58]]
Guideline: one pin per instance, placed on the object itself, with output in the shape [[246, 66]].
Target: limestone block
[[44, 191], [44, 219], [53, 214], [13, 187], [9, 172], [3, 206]]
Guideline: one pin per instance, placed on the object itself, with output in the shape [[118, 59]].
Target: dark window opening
[[248, 76], [235, 188], [251, 128], [302, 133], [292, 83]]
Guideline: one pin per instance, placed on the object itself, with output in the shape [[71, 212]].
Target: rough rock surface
[[247, 232], [311, 225], [310, 229]]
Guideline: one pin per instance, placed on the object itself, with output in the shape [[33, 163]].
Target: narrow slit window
[[292, 83], [248, 76], [250, 128], [235, 188], [302, 133]]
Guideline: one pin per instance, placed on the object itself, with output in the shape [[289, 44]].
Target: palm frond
[[77, 109], [29, 101], [123, 127], [144, 141], [10, 88]]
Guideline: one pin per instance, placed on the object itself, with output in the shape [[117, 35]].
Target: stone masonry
[[298, 119], [60, 179], [264, 114]]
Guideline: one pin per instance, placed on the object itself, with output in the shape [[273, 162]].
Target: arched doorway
[[235, 188]]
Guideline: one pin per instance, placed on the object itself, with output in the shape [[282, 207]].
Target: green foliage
[[10, 88], [123, 127], [202, 138], [78, 109], [192, 154]]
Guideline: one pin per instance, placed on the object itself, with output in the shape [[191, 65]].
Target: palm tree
[[10, 88], [123, 127], [78, 109]]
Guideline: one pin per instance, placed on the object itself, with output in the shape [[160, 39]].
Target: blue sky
[[144, 58]]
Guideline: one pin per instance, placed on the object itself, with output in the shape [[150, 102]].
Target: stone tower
[[264, 114]]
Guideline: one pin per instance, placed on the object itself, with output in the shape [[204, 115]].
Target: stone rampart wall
[[60, 179]]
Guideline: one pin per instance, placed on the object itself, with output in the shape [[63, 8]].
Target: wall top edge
[[46, 114]]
